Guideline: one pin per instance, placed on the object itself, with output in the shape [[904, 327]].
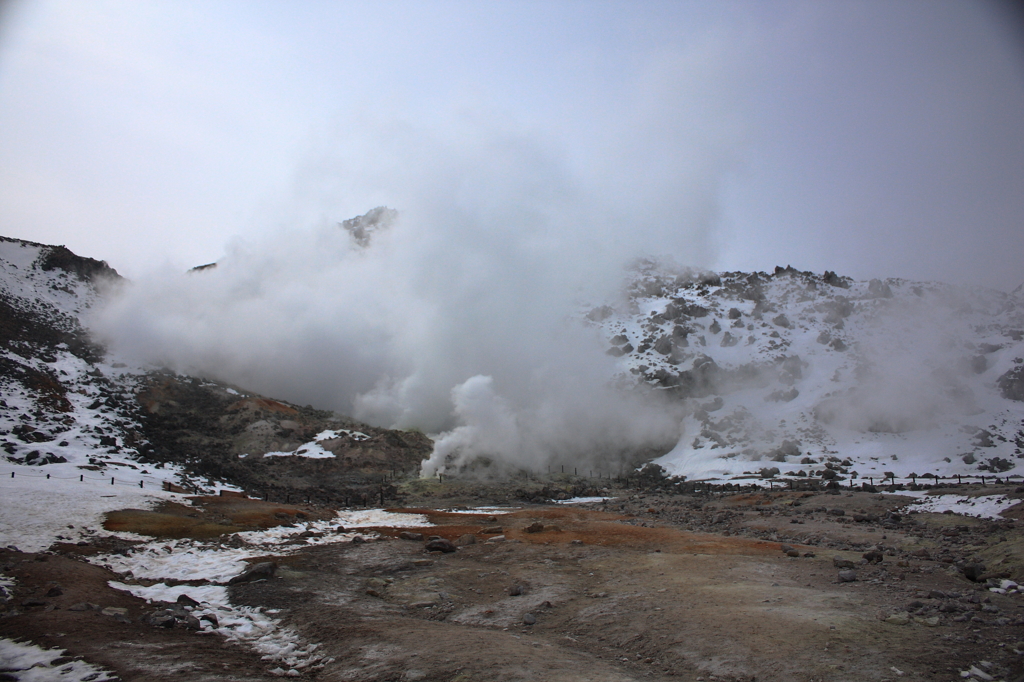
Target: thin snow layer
[[5, 588], [249, 625], [378, 518], [582, 500], [179, 560], [312, 450], [30, 663], [36, 511], [482, 510], [188, 560], [986, 507], [339, 433]]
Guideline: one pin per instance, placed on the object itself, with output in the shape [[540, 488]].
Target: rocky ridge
[[798, 370]]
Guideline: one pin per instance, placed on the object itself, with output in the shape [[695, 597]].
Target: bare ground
[[645, 587]]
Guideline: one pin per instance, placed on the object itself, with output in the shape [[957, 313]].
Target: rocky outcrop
[[879, 289], [220, 432], [62, 258], [1011, 384], [362, 228], [85, 269]]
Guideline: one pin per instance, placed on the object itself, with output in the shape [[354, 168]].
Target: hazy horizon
[[872, 139]]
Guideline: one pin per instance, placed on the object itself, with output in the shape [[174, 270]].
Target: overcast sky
[[871, 138]]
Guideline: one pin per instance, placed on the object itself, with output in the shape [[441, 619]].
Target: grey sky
[[873, 138]]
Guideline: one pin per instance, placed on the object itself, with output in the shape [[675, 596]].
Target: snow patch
[[249, 625], [986, 506], [30, 663], [36, 511], [378, 518], [482, 510], [188, 560], [311, 450], [338, 433]]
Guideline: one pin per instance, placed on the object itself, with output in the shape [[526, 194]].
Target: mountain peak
[[364, 227]]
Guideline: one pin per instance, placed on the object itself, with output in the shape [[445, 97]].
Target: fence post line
[[111, 480]]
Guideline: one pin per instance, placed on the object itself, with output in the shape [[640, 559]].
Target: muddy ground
[[646, 586]]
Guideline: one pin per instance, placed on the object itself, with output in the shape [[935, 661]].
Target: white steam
[[913, 369], [457, 319]]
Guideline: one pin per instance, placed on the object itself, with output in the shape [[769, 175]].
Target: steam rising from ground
[[454, 319], [921, 362]]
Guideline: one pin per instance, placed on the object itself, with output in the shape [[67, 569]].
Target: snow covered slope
[[69, 425], [61, 402], [794, 370], [70, 410], [791, 371]]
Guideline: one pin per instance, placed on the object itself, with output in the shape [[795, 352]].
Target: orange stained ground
[[214, 516], [562, 525]]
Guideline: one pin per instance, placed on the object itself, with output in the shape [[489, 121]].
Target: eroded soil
[[642, 587]]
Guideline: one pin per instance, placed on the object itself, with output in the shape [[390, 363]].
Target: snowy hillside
[[75, 427], [791, 371], [795, 370], [792, 374], [62, 402], [71, 410], [69, 424]]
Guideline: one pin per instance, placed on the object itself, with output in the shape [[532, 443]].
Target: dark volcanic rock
[[974, 572], [85, 269], [261, 571], [835, 280], [440, 545], [1011, 384], [191, 420]]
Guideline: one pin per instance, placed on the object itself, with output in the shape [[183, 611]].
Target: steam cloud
[[915, 369], [457, 319]]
